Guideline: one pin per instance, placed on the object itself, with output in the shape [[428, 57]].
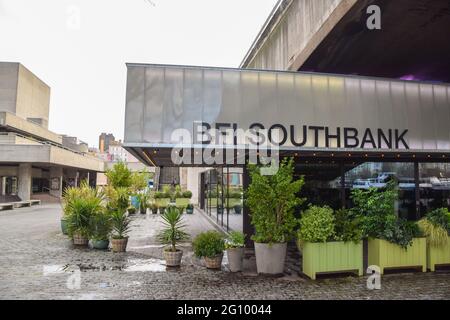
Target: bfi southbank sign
[[225, 134]]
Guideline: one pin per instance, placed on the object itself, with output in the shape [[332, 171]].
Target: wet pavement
[[38, 262]]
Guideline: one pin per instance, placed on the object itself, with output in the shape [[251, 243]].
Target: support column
[[247, 226], [56, 180], [2, 186], [24, 181]]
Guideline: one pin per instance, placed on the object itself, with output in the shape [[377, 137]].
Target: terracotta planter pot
[[79, 240], [173, 259], [235, 259], [119, 245], [215, 262]]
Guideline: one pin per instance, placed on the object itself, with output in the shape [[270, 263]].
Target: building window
[[377, 175], [434, 186]]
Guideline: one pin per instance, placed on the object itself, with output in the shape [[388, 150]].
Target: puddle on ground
[[55, 269], [151, 265]]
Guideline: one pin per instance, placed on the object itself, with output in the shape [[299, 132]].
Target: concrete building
[[34, 161], [104, 141], [355, 106]]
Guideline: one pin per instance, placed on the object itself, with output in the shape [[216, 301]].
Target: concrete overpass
[[331, 36]]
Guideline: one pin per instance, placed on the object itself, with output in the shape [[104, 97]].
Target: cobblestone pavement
[[38, 262]]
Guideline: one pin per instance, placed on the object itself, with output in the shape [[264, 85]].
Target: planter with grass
[[132, 211], [330, 242], [172, 233], [120, 227], [210, 246], [436, 227], [234, 246], [154, 208], [238, 209], [272, 199], [393, 242]]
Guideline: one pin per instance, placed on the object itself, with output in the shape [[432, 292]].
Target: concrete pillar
[[56, 180], [2, 186], [24, 181]]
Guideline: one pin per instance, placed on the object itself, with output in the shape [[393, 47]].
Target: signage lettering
[[317, 136]]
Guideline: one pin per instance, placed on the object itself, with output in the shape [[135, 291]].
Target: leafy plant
[[139, 181], [119, 176], [143, 201], [346, 226], [80, 211], [272, 200], [235, 240], [400, 231], [373, 206], [120, 224], [317, 225], [208, 244], [118, 198], [376, 211], [101, 226], [173, 231], [440, 217], [187, 194], [436, 227]]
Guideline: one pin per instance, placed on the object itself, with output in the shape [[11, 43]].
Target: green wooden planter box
[[438, 255], [332, 257], [388, 255]]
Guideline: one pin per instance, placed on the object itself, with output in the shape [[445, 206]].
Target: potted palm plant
[[120, 226], [210, 245], [234, 246], [81, 211], [100, 230], [272, 200], [171, 234]]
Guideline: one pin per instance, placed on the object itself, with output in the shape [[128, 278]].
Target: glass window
[[434, 186], [322, 183], [377, 175]]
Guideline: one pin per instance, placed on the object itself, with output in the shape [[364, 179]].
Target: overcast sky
[[79, 48]]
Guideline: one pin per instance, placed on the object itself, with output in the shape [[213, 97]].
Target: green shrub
[[187, 194], [440, 217], [272, 200], [436, 227], [317, 225], [119, 176], [346, 226], [400, 231], [208, 244], [235, 240], [376, 210], [101, 226]]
